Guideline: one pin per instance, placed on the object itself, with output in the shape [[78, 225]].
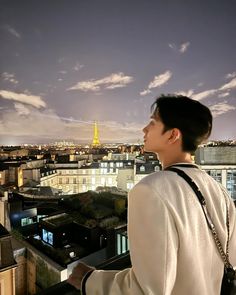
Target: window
[[47, 237], [156, 168], [216, 174], [231, 183], [60, 180], [121, 244], [74, 180], [103, 181], [111, 164], [142, 168], [109, 182], [67, 180], [93, 180], [84, 180], [26, 221]]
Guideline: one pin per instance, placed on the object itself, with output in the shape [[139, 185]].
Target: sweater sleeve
[[153, 244]]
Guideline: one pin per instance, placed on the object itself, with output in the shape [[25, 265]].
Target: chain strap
[[224, 255]]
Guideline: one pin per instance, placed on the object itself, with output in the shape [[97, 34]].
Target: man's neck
[[172, 159]]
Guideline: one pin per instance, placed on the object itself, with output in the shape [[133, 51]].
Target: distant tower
[[96, 142]]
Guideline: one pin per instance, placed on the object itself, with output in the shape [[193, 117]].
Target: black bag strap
[[225, 256]]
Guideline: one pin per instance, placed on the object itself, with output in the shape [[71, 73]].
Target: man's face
[[155, 140]]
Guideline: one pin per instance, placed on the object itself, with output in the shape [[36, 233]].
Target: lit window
[[47, 237], [142, 168], [129, 185], [103, 181], [109, 181], [111, 164], [93, 180]]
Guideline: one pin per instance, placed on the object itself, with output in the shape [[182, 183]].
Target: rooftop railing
[[118, 262]]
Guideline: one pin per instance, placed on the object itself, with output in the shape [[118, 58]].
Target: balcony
[[118, 262]]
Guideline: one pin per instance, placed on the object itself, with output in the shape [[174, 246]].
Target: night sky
[[66, 63]]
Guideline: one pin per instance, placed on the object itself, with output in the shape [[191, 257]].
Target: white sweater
[[172, 249]]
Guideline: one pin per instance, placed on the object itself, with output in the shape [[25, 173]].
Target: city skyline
[[66, 64]]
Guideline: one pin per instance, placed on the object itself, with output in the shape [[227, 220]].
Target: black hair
[[192, 118]]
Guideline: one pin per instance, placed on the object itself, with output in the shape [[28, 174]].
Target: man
[[171, 247]]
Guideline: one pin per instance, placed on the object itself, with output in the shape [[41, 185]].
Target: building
[[7, 264], [220, 163]]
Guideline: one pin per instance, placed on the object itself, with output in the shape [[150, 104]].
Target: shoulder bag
[[228, 286]]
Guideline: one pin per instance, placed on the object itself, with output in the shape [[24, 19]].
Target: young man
[[172, 249]]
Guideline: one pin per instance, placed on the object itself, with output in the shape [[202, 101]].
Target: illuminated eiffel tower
[[96, 141]]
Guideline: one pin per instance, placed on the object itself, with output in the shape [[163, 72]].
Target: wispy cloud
[[115, 80], [188, 93], [9, 77], [184, 47], [224, 94], [13, 31], [78, 67], [230, 75], [230, 85], [172, 46], [33, 100], [21, 109], [204, 94], [181, 49], [158, 81], [221, 108]]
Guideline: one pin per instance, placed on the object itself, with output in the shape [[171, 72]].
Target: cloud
[[188, 93], [13, 31], [115, 80], [230, 85], [34, 124], [184, 47], [33, 100], [181, 49], [223, 94], [221, 108], [9, 77], [78, 67], [158, 81], [145, 92], [204, 94], [21, 109], [172, 46], [230, 75]]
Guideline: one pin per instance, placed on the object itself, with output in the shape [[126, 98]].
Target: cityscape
[[78, 79], [62, 202]]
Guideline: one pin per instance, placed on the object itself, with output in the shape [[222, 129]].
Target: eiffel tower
[[96, 141]]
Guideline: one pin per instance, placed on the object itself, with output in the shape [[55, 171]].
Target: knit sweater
[[171, 247]]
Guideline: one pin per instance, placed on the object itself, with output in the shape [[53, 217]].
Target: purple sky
[[66, 63]]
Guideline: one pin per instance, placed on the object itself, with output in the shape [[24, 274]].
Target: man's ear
[[174, 135]]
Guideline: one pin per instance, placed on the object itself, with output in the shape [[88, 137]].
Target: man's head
[[193, 119]]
